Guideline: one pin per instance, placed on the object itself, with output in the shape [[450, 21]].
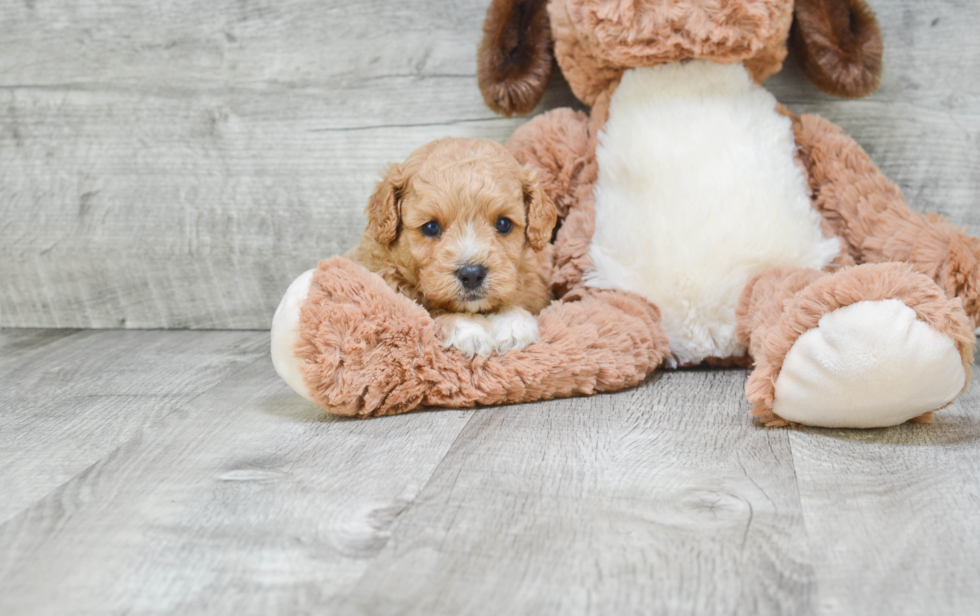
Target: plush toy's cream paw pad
[[285, 333], [867, 365], [514, 329], [470, 336]]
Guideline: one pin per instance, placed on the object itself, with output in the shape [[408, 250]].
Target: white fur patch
[[471, 338], [470, 248], [285, 334], [698, 191], [514, 329], [871, 364]]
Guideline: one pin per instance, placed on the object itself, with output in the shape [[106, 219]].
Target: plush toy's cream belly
[[698, 191]]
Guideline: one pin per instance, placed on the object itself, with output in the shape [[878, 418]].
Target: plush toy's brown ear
[[839, 45], [541, 212], [515, 57], [382, 208]]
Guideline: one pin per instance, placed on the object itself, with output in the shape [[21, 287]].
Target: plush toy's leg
[[560, 147], [868, 346], [869, 212], [345, 340]]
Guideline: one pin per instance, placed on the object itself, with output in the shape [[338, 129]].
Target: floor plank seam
[[421, 491], [807, 527]]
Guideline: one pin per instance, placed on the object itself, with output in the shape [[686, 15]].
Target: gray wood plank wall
[[176, 164]]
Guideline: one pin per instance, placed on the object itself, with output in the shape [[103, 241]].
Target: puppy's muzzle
[[472, 276]]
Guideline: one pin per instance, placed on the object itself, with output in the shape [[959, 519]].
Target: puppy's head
[[460, 217]]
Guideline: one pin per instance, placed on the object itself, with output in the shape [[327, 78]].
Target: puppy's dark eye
[[504, 225], [431, 229]]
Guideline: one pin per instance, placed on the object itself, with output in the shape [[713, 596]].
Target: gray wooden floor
[[173, 472]]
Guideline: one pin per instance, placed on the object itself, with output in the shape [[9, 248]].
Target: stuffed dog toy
[[474, 246], [764, 238]]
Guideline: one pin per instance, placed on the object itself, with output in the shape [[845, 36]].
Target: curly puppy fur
[[464, 187]]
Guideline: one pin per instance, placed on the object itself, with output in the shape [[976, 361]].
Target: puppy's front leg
[[468, 333], [513, 329]]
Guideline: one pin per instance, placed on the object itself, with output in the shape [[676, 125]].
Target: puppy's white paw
[[470, 336], [513, 330]]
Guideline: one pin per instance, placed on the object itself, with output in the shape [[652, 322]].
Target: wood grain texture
[[176, 164], [893, 516], [663, 500], [70, 398], [173, 472], [243, 500]]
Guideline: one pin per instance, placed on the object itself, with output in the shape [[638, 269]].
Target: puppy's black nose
[[472, 276]]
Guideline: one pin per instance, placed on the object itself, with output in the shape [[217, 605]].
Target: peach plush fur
[[596, 40], [780, 305], [888, 250], [368, 350]]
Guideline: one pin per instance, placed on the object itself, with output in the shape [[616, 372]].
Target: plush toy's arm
[[362, 349], [559, 146], [869, 212]]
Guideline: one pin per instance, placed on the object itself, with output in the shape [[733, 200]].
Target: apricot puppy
[[462, 228]]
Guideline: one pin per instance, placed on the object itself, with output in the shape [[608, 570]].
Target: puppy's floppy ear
[[541, 212], [515, 57], [383, 207], [839, 45]]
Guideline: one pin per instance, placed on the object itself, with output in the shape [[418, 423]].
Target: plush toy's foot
[[285, 334], [868, 364], [870, 346]]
